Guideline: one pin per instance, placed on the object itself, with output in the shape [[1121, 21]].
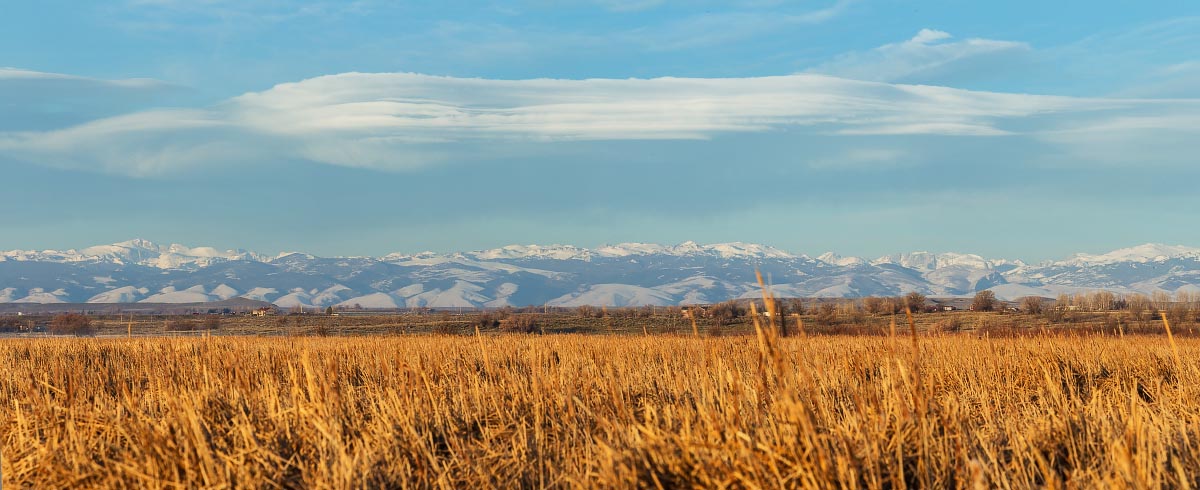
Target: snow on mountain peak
[[741, 249], [633, 248], [1149, 252], [926, 261], [145, 252], [835, 259], [556, 252], [558, 274]]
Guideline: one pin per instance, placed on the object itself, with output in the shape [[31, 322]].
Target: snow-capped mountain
[[563, 275], [141, 252]]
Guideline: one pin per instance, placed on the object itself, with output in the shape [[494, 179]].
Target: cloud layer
[[929, 55], [38, 100], [397, 121]]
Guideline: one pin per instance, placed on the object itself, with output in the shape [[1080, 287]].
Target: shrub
[[984, 301], [1054, 315], [792, 305], [875, 305], [10, 325], [915, 302], [1031, 305], [1177, 313], [489, 320], [727, 311], [212, 323], [71, 324], [524, 323], [827, 313], [1138, 305], [851, 312], [952, 324]]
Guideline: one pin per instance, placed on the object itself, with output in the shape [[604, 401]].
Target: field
[[931, 410]]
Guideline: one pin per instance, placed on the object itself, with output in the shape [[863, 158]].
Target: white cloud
[[628, 5], [395, 121], [926, 56], [38, 100], [8, 74], [724, 27]]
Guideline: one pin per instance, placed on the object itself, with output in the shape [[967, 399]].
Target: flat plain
[[929, 409]]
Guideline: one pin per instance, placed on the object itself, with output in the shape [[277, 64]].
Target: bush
[[727, 311], [1177, 313], [71, 324], [792, 305], [489, 320], [915, 302], [953, 324], [524, 323], [876, 305], [212, 323], [827, 313], [1031, 305], [10, 325], [984, 301]]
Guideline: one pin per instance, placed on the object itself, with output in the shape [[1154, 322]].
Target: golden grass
[[596, 412]]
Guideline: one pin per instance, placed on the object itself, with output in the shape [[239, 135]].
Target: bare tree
[[1138, 305], [1101, 301], [71, 324], [915, 302], [1032, 305], [984, 301], [726, 312], [875, 305], [1162, 300], [851, 311], [827, 313], [1063, 302]]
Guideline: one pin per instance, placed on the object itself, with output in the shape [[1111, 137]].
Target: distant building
[[264, 311]]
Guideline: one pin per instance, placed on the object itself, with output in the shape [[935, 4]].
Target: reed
[[573, 411]]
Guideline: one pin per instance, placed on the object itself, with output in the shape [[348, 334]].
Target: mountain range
[[628, 274]]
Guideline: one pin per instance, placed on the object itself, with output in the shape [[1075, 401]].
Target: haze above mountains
[[628, 274]]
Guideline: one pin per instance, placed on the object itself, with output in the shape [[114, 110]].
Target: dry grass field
[[576, 411]]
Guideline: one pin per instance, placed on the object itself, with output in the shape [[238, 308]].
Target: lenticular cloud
[[401, 121]]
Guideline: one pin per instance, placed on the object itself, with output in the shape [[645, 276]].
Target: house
[[264, 311]]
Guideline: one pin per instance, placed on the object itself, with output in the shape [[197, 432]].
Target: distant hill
[[234, 305], [142, 272]]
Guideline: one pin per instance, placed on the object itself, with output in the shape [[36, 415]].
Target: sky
[[1017, 129]]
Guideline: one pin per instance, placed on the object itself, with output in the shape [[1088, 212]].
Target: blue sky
[[1016, 129]]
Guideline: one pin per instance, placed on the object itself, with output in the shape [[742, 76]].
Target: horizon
[[860, 127], [593, 248]]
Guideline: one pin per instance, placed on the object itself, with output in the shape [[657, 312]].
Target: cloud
[[724, 27], [38, 100], [398, 121], [628, 5], [927, 56]]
